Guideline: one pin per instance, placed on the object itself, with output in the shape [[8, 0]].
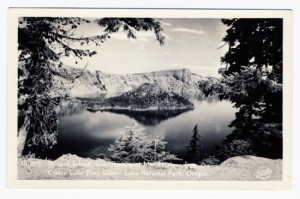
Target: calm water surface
[[89, 134]]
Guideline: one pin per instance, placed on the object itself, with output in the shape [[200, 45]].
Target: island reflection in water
[[89, 134], [148, 118]]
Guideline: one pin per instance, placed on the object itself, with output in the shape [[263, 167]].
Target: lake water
[[88, 134]]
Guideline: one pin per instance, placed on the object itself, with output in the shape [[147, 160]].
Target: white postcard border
[[13, 182]]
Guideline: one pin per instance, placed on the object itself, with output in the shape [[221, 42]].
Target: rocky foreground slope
[[146, 97], [72, 167]]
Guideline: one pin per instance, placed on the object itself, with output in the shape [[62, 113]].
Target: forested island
[[147, 97]]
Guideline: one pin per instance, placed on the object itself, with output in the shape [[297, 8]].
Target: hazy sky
[[190, 43]]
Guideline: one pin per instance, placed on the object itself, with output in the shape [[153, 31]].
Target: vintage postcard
[[149, 99]]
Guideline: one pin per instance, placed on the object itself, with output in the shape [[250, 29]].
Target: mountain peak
[[179, 81]]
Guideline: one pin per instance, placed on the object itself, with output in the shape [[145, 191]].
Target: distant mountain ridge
[[181, 82]]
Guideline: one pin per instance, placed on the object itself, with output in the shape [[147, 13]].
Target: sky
[[190, 44]]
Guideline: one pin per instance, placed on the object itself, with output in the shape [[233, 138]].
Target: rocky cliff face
[[181, 82]]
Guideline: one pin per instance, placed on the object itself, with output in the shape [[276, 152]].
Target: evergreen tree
[[255, 46], [252, 81], [42, 43], [193, 150], [136, 146]]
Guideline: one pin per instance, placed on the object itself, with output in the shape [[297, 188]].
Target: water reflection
[[148, 118], [70, 108], [89, 134]]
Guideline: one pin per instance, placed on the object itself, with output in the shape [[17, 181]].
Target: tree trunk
[[22, 135]]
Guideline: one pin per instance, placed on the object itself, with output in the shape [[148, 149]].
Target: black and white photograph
[[150, 97]]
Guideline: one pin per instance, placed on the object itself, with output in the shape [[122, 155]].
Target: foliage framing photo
[[42, 43], [252, 81]]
